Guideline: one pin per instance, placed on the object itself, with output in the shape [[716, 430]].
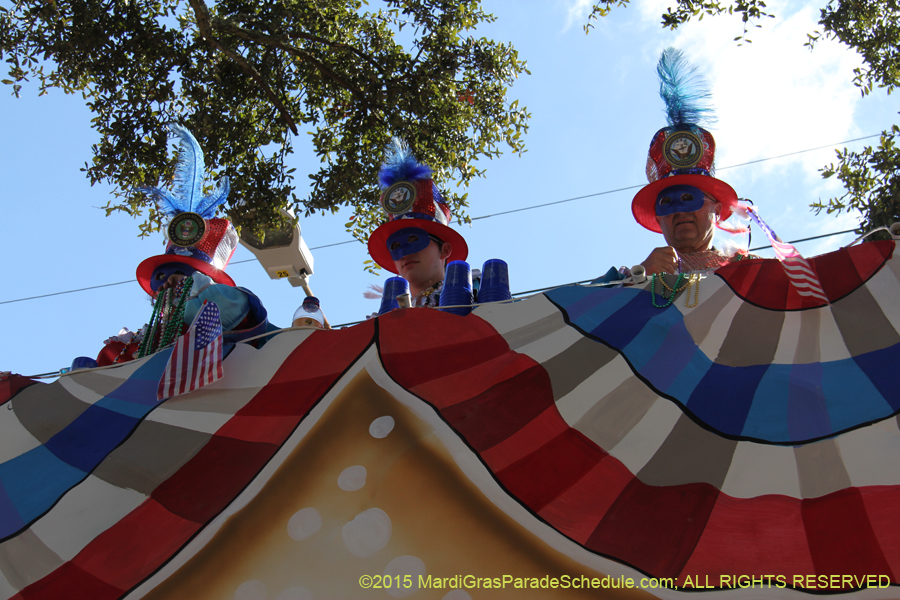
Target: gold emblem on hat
[[186, 229], [683, 149], [398, 198]]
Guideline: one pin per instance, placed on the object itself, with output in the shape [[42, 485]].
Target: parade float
[[731, 433], [741, 441]]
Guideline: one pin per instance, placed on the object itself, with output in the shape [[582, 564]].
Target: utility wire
[[94, 287], [815, 237], [631, 187]]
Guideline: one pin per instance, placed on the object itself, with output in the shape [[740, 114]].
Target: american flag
[[799, 271], [197, 357]]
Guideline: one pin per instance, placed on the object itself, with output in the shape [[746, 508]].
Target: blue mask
[[162, 273], [404, 242], [678, 199]]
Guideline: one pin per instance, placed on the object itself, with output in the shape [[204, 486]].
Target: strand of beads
[[147, 346], [176, 313], [676, 288], [694, 280], [670, 298]]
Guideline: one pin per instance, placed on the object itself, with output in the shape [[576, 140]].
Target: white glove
[[201, 282]]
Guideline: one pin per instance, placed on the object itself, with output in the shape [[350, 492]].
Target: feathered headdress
[[186, 194], [411, 199], [684, 152], [684, 91], [195, 237], [400, 165]]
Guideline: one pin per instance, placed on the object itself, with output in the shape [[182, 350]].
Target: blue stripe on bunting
[[10, 520], [90, 437], [843, 380], [775, 403], [35, 480]]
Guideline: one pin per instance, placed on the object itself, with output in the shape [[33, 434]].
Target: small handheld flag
[[197, 356]]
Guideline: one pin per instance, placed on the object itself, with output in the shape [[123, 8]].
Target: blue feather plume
[[400, 165], [684, 91], [186, 193]]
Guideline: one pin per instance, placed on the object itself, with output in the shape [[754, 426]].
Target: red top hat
[[196, 238], [210, 255], [412, 200], [680, 155], [683, 153]]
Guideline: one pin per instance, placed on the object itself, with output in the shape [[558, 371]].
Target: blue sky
[[595, 107]]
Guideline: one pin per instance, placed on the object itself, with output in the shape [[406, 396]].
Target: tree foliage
[[247, 76], [871, 177]]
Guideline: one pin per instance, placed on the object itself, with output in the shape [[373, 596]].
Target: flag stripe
[[196, 359], [800, 273]]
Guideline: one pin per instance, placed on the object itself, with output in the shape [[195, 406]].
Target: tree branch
[[203, 24], [306, 36], [265, 39]]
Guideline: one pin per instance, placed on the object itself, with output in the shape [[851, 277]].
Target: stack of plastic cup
[[393, 287], [457, 288], [83, 362], [494, 281]]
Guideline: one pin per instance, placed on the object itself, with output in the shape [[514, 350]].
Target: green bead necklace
[[166, 319], [674, 290]]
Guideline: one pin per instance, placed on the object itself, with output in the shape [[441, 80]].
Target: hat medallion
[[186, 229], [683, 149], [399, 198]]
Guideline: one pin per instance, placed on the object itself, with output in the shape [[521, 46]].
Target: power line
[[815, 237], [94, 287], [631, 187]]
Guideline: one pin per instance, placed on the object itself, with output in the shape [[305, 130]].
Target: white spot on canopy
[[381, 427], [304, 523], [367, 533], [400, 567], [352, 478], [251, 590], [295, 593]]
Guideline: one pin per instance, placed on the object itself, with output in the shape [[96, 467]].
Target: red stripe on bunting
[[491, 417], [257, 429], [550, 470], [10, 386], [840, 535], [882, 504], [150, 535], [144, 538], [69, 583], [309, 371], [450, 390], [548, 425], [577, 511], [208, 482], [752, 536], [655, 528], [452, 344], [869, 257], [765, 282]]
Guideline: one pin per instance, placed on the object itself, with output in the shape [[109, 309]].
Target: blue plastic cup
[[393, 287], [494, 281], [84, 362], [457, 288]]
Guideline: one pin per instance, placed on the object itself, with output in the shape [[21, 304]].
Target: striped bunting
[[726, 438], [798, 269]]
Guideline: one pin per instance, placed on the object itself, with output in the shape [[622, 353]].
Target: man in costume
[[684, 201], [416, 241], [192, 269]]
